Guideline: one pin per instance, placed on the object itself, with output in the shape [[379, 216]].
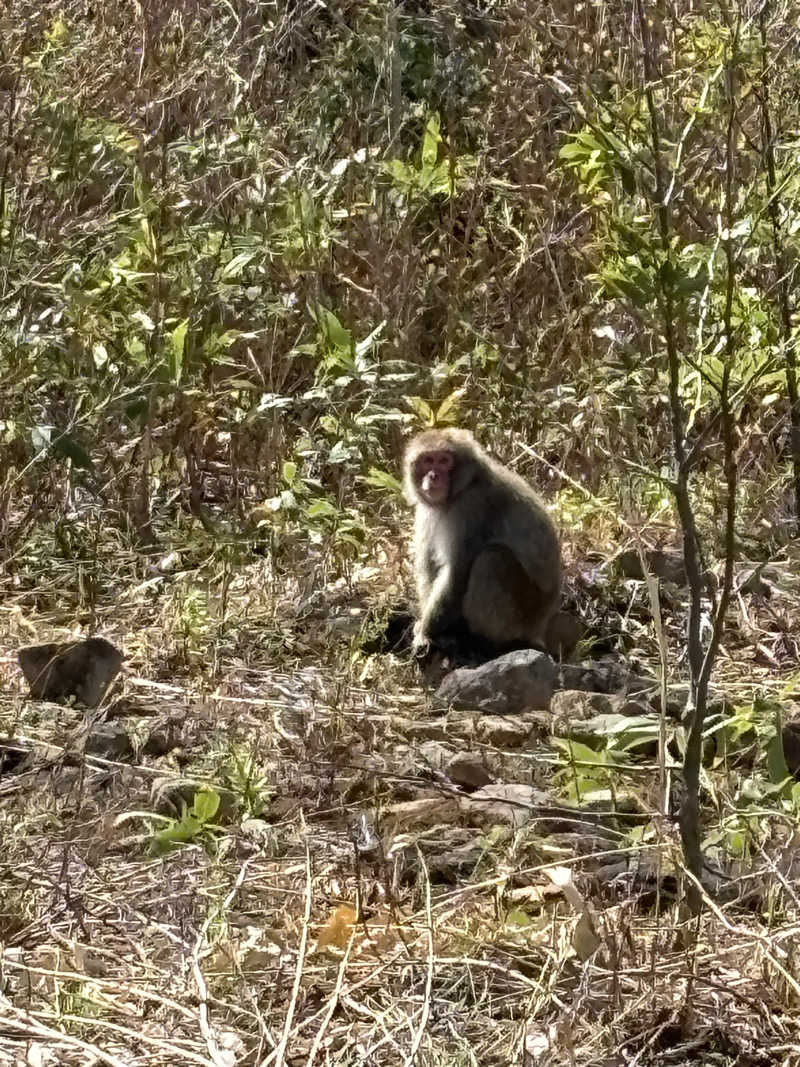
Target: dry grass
[[351, 908]]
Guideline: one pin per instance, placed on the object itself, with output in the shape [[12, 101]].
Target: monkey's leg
[[502, 605]]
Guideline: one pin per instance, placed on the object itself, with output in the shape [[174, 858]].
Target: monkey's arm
[[443, 608]]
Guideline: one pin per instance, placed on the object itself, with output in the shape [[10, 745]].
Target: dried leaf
[[338, 928]]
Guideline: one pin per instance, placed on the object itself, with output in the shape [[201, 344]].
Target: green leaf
[[401, 173], [572, 153], [379, 479], [339, 453], [206, 805], [331, 329], [178, 834], [579, 752], [431, 140], [518, 917], [177, 344], [421, 409], [289, 472], [321, 508], [448, 410], [235, 266], [627, 731]]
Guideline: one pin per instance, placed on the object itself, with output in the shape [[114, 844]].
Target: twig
[[426, 1007], [332, 1001], [26, 1024], [278, 1057], [217, 1056]]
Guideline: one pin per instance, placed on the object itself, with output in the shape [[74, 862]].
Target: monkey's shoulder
[[504, 492]]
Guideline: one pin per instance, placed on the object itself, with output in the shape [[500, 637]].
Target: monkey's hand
[[421, 644]]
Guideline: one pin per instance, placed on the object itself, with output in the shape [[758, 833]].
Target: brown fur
[[487, 560]]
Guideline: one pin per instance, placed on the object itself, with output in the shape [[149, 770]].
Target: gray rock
[[515, 682], [420, 729], [576, 704], [164, 737], [510, 804], [435, 754], [109, 740], [79, 669], [503, 731], [452, 862], [515, 804], [604, 676], [663, 563], [579, 704], [630, 706], [468, 769]]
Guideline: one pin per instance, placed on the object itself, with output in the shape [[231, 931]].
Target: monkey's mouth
[[435, 487]]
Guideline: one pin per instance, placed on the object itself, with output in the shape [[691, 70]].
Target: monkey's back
[[517, 517]]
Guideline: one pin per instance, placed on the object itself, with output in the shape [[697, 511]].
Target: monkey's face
[[433, 476]]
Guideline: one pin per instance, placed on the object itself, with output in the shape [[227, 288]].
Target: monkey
[[487, 556]]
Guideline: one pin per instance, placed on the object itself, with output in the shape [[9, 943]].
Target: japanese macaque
[[486, 552]]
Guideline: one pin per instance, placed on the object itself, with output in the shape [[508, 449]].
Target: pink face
[[433, 470]]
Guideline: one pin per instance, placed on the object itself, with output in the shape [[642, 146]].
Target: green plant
[[194, 825], [592, 773], [248, 782]]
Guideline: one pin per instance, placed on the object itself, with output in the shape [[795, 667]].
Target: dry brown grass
[[364, 915]]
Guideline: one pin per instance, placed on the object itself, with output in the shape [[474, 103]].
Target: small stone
[[676, 704], [468, 770], [630, 706], [170, 563], [109, 740], [510, 804], [422, 813], [164, 737], [609, 675], [666, 564], [435, 754], [516, 682], [503, 731], [579, 704], [79, 669], [421, 729]]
